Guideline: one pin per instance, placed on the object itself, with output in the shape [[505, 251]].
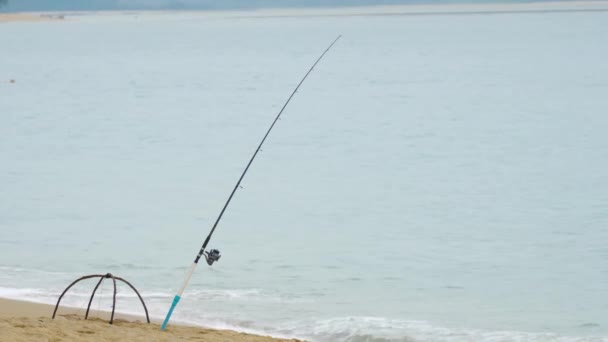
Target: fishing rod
[[214, 255]]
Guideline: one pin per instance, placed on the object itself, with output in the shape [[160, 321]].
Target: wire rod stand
[[101, 279]]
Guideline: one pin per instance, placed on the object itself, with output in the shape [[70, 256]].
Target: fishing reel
[[212, 256]]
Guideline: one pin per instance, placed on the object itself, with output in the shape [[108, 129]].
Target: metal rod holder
[[101, 279]]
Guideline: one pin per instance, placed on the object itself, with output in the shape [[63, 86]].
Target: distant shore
[[11, 17], [433, 9], [385, 10], [27, 321]]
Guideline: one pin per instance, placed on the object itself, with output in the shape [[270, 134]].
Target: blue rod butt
[[166, 321]]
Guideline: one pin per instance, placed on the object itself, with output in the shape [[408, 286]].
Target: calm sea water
[[437, 178]]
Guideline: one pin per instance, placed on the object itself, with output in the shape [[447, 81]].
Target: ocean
[[436, 178]]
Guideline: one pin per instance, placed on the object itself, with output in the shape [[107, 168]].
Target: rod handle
[[166, 321]]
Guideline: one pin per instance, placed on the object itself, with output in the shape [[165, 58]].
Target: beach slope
[[25, 321]]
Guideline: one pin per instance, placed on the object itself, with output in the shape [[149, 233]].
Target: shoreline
[[29, 321], [350, 11], [31, 17]]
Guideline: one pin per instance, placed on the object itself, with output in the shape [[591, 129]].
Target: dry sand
[[24, 322]]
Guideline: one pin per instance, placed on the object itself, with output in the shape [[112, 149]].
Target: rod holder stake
[[101, 279]]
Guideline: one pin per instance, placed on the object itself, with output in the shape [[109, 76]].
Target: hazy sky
[[66, 5]]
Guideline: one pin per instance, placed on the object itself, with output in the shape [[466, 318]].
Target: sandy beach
[[27, 321], [26, 17]]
